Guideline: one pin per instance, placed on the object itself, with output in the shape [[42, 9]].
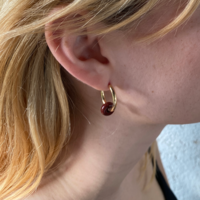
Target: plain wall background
[[179, 147]]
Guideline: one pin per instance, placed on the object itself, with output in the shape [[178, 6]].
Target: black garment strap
[[167, 192]]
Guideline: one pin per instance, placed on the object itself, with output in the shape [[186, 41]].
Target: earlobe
[[81, 56]]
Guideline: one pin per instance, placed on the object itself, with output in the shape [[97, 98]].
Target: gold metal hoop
[[114, 98]]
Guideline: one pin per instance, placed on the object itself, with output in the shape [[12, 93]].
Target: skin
[[156, 84]]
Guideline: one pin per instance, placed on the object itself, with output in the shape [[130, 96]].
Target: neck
[[106, 149]]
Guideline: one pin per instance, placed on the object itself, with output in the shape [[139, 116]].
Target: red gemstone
[[105, 107]]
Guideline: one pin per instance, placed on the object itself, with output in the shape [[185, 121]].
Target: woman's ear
[[81, 57]]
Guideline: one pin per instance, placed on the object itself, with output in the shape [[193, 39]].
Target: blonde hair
[[35, 106]]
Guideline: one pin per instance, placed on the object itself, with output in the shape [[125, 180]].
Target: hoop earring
[[108, 107]]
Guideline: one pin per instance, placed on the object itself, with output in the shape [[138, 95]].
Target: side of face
[[159, 81]]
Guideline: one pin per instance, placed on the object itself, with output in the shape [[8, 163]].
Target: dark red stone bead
[[105, 107]]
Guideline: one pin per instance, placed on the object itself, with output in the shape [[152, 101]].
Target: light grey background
[[179, 147]]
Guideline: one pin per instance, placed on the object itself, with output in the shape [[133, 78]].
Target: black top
[[167, 192]]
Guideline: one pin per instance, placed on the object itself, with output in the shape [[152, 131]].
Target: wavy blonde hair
[[35, 104]]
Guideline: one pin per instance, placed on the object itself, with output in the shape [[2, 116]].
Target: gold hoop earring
[[108, 107]]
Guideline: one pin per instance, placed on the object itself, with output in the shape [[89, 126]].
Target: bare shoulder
[[160, 165]]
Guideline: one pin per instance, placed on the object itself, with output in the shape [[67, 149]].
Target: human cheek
[[176, 94]]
